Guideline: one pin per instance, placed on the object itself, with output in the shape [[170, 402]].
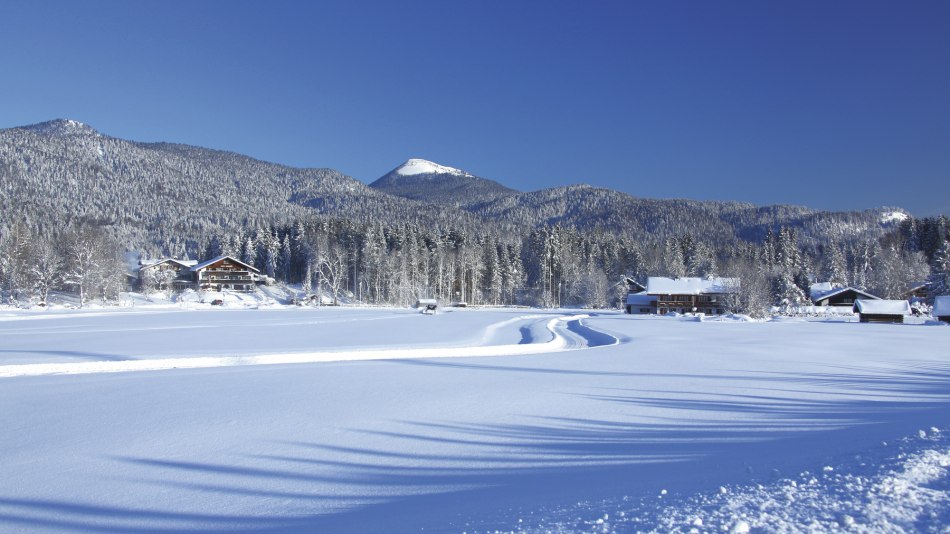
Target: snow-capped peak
[[421, 166]]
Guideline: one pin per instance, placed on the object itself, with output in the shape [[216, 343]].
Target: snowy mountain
[[414, 167], [61, 128], [419, 179], [169, 195], [168, 198]]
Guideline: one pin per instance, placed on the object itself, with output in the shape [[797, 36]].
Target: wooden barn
[[225, 272], [882, 311], [941, 309]]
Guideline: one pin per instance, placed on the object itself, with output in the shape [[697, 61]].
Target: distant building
[[941, 309], [688, 295], [828, 294], [166, 273], [882, 311], [225, 272], [917, 292]]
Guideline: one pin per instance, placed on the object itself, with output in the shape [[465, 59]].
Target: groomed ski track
[[539, 334]]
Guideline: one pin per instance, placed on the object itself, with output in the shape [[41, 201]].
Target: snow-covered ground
[[467, 421]]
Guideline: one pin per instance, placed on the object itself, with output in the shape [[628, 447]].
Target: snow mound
[[421, 166], [893, 217], [889, 489]]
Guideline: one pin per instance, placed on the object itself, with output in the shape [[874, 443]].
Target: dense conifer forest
[[77, 207]]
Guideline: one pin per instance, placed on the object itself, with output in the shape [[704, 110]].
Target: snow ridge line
[[560, 342]]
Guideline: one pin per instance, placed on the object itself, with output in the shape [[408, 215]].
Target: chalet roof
[[917, 286], [819, 289], [641, 299], [153, 263], [941, 306], [841, 290], [883, 307], [203, 265], [658, 285], [631, 282]]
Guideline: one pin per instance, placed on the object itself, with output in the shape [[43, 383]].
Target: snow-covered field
[[158, 419]]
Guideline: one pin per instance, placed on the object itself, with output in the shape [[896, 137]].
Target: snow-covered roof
[[883, 307], [820, 289], [201, 266], [641, 299], [841, 290], [658, 285], [421, 166], [152, 263], [941, 306]]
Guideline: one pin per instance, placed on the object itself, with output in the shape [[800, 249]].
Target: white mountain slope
[[420, 179], [415, 166]]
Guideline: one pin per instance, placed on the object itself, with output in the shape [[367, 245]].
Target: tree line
[[395, 264]]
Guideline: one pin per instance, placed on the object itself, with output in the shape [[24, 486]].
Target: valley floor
[[385, 420]]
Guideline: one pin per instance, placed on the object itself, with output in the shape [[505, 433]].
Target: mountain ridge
[[170, 197]]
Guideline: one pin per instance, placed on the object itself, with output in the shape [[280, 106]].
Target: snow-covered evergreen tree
[[939, 281]]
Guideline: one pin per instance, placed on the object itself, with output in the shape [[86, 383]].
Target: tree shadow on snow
[[447, 476]]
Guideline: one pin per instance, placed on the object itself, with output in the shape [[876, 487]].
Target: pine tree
[[284, 260], [939, 281], [213, 249], [835, 268]]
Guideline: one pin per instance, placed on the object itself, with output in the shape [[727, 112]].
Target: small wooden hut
[[882, 311]]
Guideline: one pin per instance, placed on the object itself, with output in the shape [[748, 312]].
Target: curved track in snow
[[539, 334]]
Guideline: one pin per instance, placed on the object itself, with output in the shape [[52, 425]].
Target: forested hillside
[[74, 202], [169, 199]]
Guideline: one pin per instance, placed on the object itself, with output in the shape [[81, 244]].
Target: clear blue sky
[[833, 105]]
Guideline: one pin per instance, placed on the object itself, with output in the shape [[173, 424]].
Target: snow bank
[[899, 488]]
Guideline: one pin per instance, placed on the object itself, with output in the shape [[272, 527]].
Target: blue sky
[[833, 105]]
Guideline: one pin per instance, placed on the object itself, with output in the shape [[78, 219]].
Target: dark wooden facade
[[225, 273], [881, 318], [710, 304]]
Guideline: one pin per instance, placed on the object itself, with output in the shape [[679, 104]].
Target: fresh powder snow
[[471, 420]]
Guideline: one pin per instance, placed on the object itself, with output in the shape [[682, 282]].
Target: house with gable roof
[[690, 294], [166, 273], [225, 272], [829, 294]]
